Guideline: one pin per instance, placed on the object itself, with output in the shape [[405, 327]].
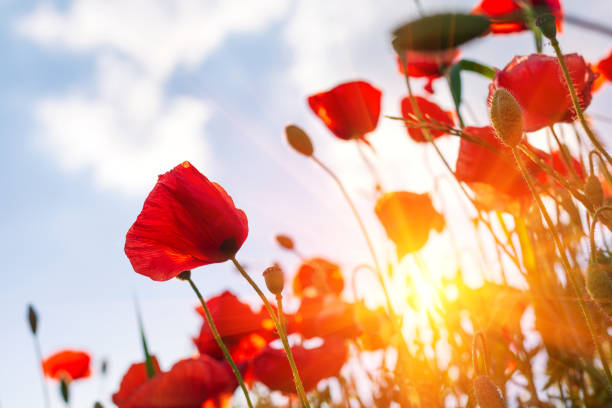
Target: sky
[[98, 98]]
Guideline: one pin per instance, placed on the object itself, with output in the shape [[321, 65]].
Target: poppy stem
[[39, 358], [217, 337], [378, 187], [568, 80], [566, 267], [281, 333]]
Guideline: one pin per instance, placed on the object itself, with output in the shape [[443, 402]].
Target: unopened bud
[[487, 394], [593, 191], [98, 405], [546, 23], [299, 140], [285, 241], [32, 319], [506, 117], [275, 279], [599, 285], [64, 382], [184, 276]]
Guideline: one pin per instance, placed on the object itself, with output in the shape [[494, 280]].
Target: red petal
[[349, 110], [71, 363], [317, 276], [507, 15], [431, 113], [186, 222], [135, 376]]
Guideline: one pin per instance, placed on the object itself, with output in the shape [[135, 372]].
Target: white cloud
[[125, 128]]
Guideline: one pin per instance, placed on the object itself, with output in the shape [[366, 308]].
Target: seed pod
[[184, 276], [546, 23], [506, 117], [299, 140], [285, 241], [599, 285], [275, 279], [487, 394], [32, 319], [593, 191]]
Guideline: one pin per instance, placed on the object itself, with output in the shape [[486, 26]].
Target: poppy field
[[531, 188]]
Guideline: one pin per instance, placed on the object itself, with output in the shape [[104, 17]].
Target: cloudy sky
[[99, 97]]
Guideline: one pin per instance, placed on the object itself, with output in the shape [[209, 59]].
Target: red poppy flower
[[72, 364], [349, 110], [508, 17], [538, 85], [318, 276], [408, 218], [325, 316], [491, 169], [556, 161], [186, 221], [377, 327], [603, 71], [135, 376], [432, 114], [430, 65], [190, 383], [242, 330], [272, 369]]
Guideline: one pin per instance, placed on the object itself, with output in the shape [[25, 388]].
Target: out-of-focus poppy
[[489, 168], [272, 369], [349, 110], [507, 16], [186, 221], [432, 115], [537, 83], [68, 364], [318, 276], [556, 161], [242, 330], [135, 376], [190, 383], [325, 316], [377, 327], [430, 65], [603, 70], [408, 218]]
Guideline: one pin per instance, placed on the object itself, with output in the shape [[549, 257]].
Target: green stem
[[217, 337], [39, 357], [566, 266], [281, 333], [568, 80]]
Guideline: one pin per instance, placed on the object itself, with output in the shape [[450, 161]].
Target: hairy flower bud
[[546, 23], [593, 191], [599, 285], [487, 394], [506, 117], [275, 279], [299, 140], [285, 241]]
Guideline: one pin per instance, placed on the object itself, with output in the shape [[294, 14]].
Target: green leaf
[[148, 360], [455, 76], [439, 32]]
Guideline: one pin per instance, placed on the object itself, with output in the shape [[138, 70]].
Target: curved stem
[[566, 267], [217, 337], [555, 44], [281, 333], [592, 229], [480, 336]]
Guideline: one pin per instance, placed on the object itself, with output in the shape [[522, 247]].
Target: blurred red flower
[[325, 316], [408, 218], [272, 369], [377, 327], [318, 276], [507, 16], [190, 383], [537, 83], [491, 165], [135, 376], [430, 65], [604, 71], [186, 221], [71, 364], [349, 110], [432, 114], [556, 161], [243, 331]]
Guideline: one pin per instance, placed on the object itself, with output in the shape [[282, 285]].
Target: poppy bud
[[506, 117], [275, 279], [593, 191], [104, 367], [546, 23], [487, 394], [64, 389], [98, 405], [299, 140], [285, 241], [185, 275], [32, 319], [599, 285]]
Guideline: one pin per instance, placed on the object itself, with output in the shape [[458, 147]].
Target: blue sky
[[99, 97]]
